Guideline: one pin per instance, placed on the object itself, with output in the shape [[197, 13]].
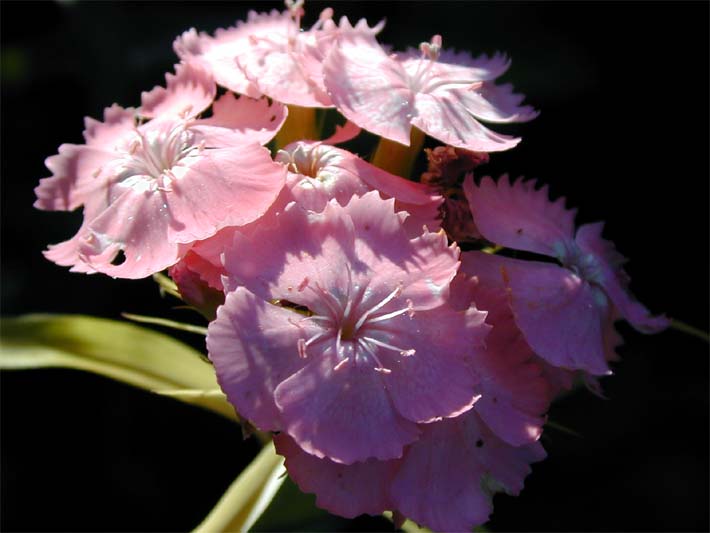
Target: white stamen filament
[[379, 306], [381, 344]]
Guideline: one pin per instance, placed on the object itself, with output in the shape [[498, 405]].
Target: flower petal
[[346, 490], [222, 187], [437, 380], [253, 345], [187, 93], [236, 121], [448, 476], [369, 87], [615, 280], [345, 415], [518, 216], [562, 317], [443, 116]]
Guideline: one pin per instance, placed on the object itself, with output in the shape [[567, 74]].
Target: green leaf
[[250, 494], [125, 352]]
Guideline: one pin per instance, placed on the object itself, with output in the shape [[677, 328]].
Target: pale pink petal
[[253, 345], [344, 133], [495, 103], [241, 120], [562, 316], [305, 250], [326, 172], [223, 187], [460, 65], [437, 379], [284, 71], [346, 490], [447, 478], [443, 116], [117, 122], [518, 216], [615, 281], [423, 266], [136, 224], [514, 392], [344, 414], [75, 177], [363, 242], [219, 53], [67, 253], [369, 87], [187, 93]]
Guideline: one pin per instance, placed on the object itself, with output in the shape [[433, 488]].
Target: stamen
[[381, 344], [380, 367], [393, 314], [303, 344], [341, 364], [379, 306]]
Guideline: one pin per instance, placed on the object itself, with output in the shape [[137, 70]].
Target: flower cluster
[[396, 371]]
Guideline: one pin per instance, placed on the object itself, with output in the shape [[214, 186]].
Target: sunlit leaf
[[121, 351]]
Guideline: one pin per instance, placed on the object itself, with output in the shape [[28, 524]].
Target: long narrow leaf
[[125, 352]]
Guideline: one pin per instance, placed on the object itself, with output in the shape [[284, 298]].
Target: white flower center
[[154, 153], [357, 327]]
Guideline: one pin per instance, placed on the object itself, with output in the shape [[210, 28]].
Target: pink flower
[[445, 481], [514, 390], [149, 188], [442, 93], [362, 345], [270, 54], [318, 173], [565, 311]]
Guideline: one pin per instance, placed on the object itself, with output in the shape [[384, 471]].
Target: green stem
[[690, 330], [300, 125], [397, 158]]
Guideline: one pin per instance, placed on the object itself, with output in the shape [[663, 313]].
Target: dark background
[[623, 90]]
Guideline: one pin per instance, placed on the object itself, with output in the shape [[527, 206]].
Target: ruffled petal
[[514, 392], [345, 415], [437, 379], [443, 116], [117, 122], [423, 266], [136, 224], [284, 71], [615, 281], [222, 187], [447, 478], [76, 177], [219, 53], [346, 490], [562, 316], [369, 87], [253, 345], [187, 93], [518, 216], [237, 121], [495, 103]]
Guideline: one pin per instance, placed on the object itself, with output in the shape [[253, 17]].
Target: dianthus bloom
[[442, 93], [339, 332], [150, 186], [269, 54], [566, 310], [445, 480], [319, 172]]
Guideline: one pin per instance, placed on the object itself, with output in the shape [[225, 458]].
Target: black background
[[623, 90]]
